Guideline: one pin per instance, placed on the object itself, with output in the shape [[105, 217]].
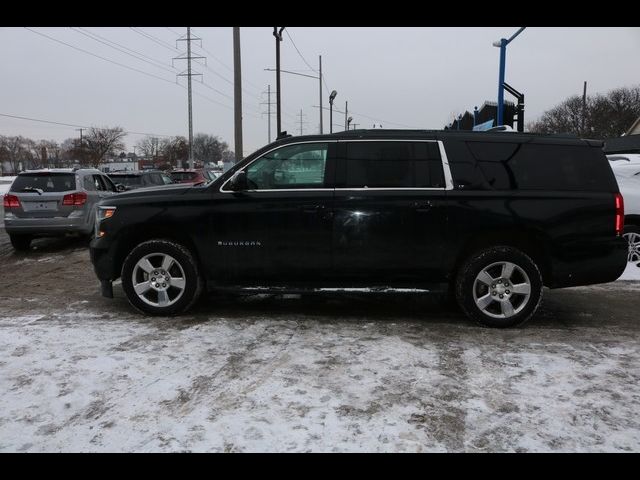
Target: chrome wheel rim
[[501, 290], [633, 239], [158, 279]]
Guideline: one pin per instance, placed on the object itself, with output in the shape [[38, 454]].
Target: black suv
[[131, 180], [492, 217]]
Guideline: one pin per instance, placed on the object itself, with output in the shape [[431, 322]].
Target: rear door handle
[[423, 206]]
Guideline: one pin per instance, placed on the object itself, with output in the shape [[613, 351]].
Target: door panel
[[280, 229]]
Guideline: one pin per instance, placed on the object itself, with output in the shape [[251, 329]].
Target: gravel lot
[[262, 373]]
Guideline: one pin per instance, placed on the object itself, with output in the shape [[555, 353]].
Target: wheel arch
[[132, 237], [532, 242]]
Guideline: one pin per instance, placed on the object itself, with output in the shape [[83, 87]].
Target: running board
[[311, 290]]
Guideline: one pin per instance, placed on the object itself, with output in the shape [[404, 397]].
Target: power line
[[162, 43], [98, 56], [79, 126], [301, 56], [137, 55]]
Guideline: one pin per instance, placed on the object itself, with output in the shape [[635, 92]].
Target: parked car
[[185, 175], [139, 179], [627, 170], [53, 202], [490, 216]]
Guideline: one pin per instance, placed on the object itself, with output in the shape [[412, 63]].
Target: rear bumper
[[43, 226], [590, 264]]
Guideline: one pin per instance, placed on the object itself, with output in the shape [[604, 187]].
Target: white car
[[626, 168]]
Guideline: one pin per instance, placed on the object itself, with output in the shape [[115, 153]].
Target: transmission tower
[[301, 115], [188, 73], [268, 113]]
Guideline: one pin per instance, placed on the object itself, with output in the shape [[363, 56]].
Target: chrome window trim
[[443, 157]]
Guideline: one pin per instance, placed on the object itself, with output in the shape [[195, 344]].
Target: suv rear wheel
[[21, 242], [161, 277], [632, 235], [499, 287]]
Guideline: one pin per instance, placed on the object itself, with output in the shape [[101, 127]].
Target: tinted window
[[155, 179], [128, 180], [393, 165], [100, 186], [109, 184], [296, 166], [47, 182], [183, 176], [531, 166]]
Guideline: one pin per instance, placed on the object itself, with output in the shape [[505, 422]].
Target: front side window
[[295, 166]]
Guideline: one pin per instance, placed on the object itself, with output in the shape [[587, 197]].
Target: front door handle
[[312, 208], [423, 206]]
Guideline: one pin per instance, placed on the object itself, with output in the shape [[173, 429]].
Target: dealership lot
[[382, 373]]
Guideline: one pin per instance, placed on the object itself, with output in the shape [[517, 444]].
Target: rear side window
[[128, 180], [531, 166], [155, 179], [393, 165], [47, 182]]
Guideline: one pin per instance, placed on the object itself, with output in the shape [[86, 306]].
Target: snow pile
[[632, 272]]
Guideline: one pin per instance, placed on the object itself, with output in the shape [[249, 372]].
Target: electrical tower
[[188, 73], [301, 115], [268, 113]]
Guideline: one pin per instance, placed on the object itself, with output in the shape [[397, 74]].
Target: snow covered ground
[[632, 272], [384, 373]]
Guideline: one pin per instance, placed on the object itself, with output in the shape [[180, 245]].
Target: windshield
[[47, 182], [182, 176]]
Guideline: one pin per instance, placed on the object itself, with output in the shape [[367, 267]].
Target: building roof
[[635, 128]]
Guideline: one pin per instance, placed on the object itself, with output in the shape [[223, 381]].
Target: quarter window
[[295, 166]]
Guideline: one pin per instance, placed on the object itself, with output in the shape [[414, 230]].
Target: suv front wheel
[[499, 287], [160, 277]]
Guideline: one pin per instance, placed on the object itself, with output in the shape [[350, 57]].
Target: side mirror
[[238, 182], [120, 187]]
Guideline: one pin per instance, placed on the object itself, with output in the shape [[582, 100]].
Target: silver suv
[[53, 202]]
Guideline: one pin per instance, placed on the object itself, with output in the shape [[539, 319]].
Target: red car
[[188, 175]]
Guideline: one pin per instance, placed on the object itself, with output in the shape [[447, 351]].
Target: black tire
[[21, 243], [185, 260], [466, 287]]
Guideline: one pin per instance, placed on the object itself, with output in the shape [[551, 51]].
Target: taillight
[[11, 201], [619, 214], [74, 199]]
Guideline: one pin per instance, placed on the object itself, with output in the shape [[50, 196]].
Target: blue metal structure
[[502, 43]]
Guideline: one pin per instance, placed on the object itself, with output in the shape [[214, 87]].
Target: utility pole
[[268, 103], [81, 144], [584, 105], [320, 78], [237, 93], [346, 113], [189, 74], [278, 35]]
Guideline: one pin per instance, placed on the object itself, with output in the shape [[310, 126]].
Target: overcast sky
[[403, 77]]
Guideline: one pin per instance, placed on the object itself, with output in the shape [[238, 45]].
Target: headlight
[[102, 213]]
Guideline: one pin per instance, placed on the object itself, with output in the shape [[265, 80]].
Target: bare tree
[[605, 116], [100, 142], [175, 150], [208, 148], [16, 153], [149, 146]]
